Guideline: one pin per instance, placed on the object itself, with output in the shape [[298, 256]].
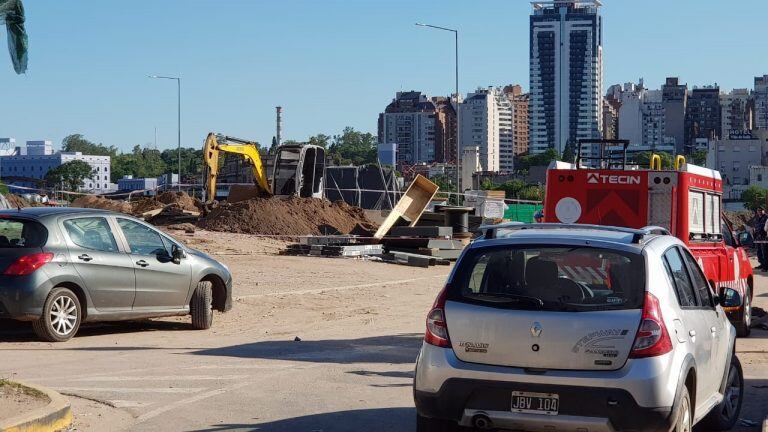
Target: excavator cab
[[299, 170]]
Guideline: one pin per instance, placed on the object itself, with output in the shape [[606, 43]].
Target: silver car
[[578, 328], [64, 266]]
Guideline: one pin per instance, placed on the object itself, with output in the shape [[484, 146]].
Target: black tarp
[[363, 186]]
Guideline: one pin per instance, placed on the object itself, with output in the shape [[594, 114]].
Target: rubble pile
[[184, 201], [288, 216], [92, 201], [740, 219]]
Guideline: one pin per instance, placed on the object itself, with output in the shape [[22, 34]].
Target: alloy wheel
[[63, 315], [733, 393]]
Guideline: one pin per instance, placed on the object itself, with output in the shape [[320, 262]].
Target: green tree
[[76, 143], [70, 175], [754, 197], [191, 161], [542, 159], [699, 157], [321, 140], [568, 155], [353, 147], [644, 159]]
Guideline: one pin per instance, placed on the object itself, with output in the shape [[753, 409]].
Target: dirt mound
[[17, 201], [144, 205], [92, 201], [740, 219], [186, 202], [287, 216]]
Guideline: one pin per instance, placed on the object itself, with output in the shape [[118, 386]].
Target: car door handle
[[84, 257], [692, 333], [713, 330], [142, 263]]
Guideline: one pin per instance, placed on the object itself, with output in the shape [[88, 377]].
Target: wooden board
[[411, 205]]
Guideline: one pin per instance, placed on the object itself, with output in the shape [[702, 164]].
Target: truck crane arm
[[214, 144]]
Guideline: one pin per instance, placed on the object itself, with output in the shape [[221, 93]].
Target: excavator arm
[[245, 148]]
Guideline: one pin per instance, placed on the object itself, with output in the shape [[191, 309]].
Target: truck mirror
[[730, 298], [746, 239]]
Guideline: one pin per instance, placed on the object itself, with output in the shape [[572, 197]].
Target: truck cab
[[686, 200]]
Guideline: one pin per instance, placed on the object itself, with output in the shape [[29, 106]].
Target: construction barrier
[[521, 212]]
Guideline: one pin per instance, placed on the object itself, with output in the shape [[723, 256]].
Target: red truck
[[686, 201]]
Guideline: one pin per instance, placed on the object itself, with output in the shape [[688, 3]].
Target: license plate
[[535, 403]]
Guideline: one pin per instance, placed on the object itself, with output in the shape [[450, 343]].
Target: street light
[[178, 83], [458, 108]]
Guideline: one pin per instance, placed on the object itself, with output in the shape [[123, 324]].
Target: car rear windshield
[[21, 233], [555, 278]]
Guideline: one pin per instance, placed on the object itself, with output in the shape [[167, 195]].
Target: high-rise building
[[611, 118], [480, 127], [409, 122], [674, 98], [737, 111], [566, 73], [702, 115], [520, 116], [445, 130], [761, 102], [506, 130], [641, 119]]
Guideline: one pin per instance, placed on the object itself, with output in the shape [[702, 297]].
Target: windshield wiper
[[510, 298]]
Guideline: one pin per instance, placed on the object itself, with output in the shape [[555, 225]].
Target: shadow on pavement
[[368, 420], [754, 408], [16, 331], [401, 348]]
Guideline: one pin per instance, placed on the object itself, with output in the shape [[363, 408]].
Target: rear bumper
[[22, 297], [581, 408], [638, 397]]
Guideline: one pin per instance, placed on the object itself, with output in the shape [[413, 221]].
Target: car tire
[[743, 327], [426, 424], [201, 306], [684, 420], [723, 417], [61, 316]]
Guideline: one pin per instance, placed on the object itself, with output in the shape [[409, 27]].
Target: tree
[[321, 140], [644, 159], [699, 157], [754, 197], [541, 159], [76, 143], [353, 147], [568, 155], [70, 175]]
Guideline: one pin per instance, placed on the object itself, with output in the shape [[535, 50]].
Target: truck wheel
[[200, 307], [61, 316], [724, 416], [743, 327]]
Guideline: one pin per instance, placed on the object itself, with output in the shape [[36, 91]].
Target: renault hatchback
[[578, 328]]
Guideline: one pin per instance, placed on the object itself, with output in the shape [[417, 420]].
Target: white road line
[[172, 406], [159, 378], [343, 288], [131, 390]]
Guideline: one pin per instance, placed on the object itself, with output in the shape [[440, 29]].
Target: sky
[[328, 63]]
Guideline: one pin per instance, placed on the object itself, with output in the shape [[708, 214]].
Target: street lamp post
[[458, 108], [178, 87]]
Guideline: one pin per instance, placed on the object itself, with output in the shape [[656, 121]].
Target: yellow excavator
[[299, 169]]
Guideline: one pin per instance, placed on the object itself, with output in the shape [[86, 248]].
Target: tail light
[[652, 337], [437, 329], [28, 264]]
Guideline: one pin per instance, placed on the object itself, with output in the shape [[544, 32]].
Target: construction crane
[[299, 169]]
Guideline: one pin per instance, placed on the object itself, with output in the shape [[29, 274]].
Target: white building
[[566, 71], [733, 157], [7, 146], [736, 111], [480, 127], [642, 120], [506, 113], [30, 165], [409, 122]]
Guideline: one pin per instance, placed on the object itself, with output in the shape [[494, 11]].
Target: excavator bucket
[[210, 166]]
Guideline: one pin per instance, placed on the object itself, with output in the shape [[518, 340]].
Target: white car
[[578, 328]]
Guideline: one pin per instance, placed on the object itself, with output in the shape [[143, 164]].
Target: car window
[[21, 233], [700, 284], [728, 236], [91, 233], [679, 275], [142, 239], [555, 278]]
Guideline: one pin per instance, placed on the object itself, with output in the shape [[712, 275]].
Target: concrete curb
[[52, 417]]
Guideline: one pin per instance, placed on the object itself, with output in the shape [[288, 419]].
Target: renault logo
[[536, 329]]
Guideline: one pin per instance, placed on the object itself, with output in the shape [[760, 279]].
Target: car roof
[[40, 212]]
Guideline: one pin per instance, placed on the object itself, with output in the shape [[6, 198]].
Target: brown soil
[[740, 219], [146, 204], [186, 202], [287, 216], [17, 201], [16, 400], [91, 201]]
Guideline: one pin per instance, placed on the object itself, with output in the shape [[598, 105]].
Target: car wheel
[[684, 421], [724, 416], [201, 306], [743, 328], [61, 316], [425, 424]]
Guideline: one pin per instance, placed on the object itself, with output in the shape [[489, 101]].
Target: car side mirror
[[746, 239], [177, 254], [730, 298]]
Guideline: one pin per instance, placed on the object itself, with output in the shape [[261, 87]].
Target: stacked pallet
[[333, 246], [422, 246]]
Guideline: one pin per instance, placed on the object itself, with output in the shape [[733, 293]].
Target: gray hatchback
[[64, 266]]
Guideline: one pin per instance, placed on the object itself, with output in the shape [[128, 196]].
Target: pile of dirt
[[740, 219], [144, 205], [185, 201], [17, 201], [287, 216], [92, 201]]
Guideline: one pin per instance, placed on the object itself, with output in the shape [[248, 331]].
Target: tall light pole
[[178, 86], [458, 108]]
